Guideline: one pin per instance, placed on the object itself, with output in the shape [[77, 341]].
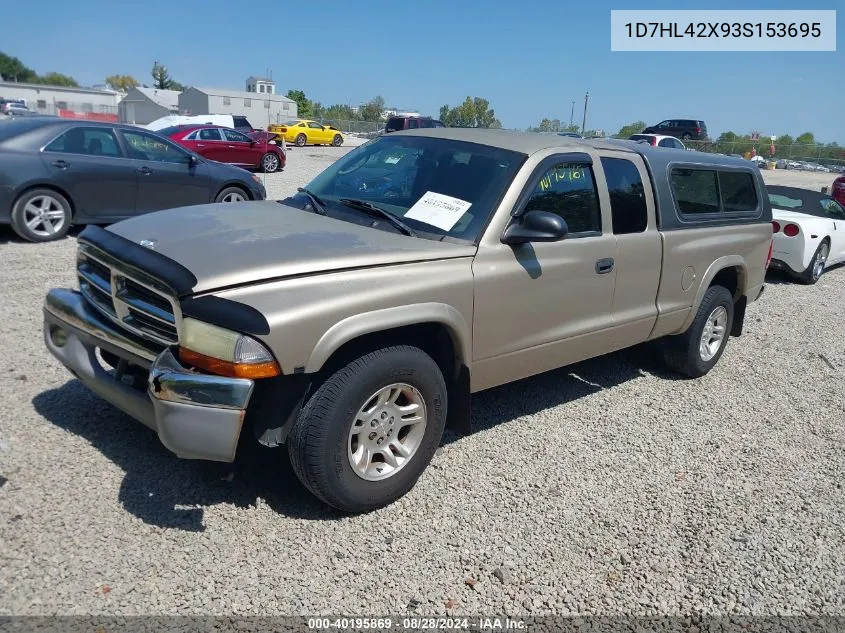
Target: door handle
[[146, 171], [61, 164], [200, 144], [604, 266], [232, 146]]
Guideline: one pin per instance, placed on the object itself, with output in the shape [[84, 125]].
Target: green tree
[[784, 139], [806, 138], [727, 137], [162, 79], [304, 107], [121, 83], [56, 79], [473, 112], [339, 112], [13, 69], [373, 109], [625, 131]]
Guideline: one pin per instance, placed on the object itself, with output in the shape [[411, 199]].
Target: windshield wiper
[[372, 209], [318, 205]]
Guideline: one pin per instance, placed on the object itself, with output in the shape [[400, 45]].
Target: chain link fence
[[365, 129]]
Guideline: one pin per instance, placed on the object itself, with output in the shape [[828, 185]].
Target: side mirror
[[192, 160], [535, 226]]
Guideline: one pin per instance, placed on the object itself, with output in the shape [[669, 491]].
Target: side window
[[696, 190], [627, 196], [234, 136], [315, 126], [833, 209], [413, 124], [737, 191], [667, 142], [569, 190], [143, 146], [209, 134], [92, 141]]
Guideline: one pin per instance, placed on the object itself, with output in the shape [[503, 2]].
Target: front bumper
[[197, 416]]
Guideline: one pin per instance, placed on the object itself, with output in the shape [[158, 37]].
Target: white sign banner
[[438, 210]]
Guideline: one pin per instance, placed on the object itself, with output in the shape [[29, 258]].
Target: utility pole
[[572, 114], [584, 121]]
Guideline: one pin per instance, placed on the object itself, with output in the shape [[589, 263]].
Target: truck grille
[[128, 297]]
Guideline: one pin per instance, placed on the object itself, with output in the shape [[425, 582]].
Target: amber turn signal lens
[[228, 368]]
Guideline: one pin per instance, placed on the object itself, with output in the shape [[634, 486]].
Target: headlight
[[224, 352]]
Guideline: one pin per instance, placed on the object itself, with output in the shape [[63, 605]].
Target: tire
[[337, 141], [322, 444], [270, 163], [687, 137], [683, 352], [41, 215], [232, 194], [815, 270], [301, 140]]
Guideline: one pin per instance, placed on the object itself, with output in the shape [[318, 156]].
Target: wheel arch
[[729, 271], [426, 320], [233, 183]]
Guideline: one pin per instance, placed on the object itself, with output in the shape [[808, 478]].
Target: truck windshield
[[438, 187]]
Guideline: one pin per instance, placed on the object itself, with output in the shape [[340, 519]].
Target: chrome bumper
[[197, 416]]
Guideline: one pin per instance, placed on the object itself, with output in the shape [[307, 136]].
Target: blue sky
[[530, 58]]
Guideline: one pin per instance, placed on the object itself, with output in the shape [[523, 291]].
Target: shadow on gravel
[[561, 386], [163, 490], [8, 236]]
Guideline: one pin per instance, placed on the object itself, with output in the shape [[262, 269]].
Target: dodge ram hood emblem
[[148, 243]]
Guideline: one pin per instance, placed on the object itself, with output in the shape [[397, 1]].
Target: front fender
[[728, 261], [388, 318]]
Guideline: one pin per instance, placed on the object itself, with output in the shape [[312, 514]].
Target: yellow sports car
[[305, 132]]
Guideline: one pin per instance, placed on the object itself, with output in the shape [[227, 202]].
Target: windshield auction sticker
[[438, 210], [723, 30]]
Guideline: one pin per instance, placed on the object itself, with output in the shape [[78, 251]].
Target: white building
[[259, 109], [145, 105], [64, 101], [261, 85]]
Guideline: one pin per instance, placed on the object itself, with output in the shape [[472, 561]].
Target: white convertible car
[[808, 232]]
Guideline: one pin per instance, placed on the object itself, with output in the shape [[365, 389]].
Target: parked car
[[58, 172], [837, 191], [352, 326], [14, 107], [397, 123], [687, 129], [658, 140], [809, 232], [302, 132], [226, 145], [570, 134], [236, 122]]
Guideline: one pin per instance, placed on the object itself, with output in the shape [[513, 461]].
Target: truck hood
[[232, 244]]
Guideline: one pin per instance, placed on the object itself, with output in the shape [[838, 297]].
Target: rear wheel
[[337, 141], [41, 215], [816, 268], [270, 162], [301, 139], [231, 194], [368, 432], [687, 136], [696, 351]]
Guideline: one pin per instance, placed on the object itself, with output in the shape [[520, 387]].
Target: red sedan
[[226, 145]]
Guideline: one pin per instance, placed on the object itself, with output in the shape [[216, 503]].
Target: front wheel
[[369, 431], [337, 141], [270, 163], [696, 351], [231, 194]]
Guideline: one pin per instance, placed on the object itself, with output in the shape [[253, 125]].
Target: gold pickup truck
[[353, 320]]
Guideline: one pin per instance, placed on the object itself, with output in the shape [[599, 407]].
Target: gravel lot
[[611, 487]]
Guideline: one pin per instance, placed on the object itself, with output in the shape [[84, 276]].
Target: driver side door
[[166, 179], [543, 305], [836, 212]]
